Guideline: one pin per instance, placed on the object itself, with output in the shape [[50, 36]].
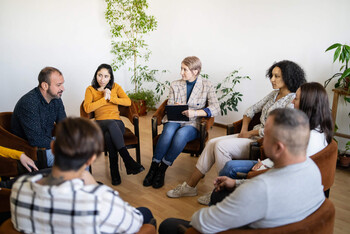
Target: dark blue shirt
[[33, 118], [189, 86]]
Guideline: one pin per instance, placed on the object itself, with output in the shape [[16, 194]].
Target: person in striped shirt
[[69, 200]]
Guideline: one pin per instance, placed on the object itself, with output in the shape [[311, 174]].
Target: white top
[[317, 142], [275, 198]]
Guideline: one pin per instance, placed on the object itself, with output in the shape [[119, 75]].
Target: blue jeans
[[232, 167], [172, 141], [50, 158]]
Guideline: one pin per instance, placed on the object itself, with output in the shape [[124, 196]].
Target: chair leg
[[138, 154]]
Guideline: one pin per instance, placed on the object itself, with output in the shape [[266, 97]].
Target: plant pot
[[344, 160], [141, 107]]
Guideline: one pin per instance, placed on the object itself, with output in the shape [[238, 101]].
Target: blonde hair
[[193, 63]]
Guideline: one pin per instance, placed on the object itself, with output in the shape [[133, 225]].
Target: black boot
[[150, 175], [158, 180], [113, 166], [131, 166]]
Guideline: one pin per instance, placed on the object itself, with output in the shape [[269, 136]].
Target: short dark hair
[[314, 102], [77, 140], [94, 82], [292, 74], [45, 73], [291, 126]]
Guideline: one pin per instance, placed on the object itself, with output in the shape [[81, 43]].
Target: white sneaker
[[182, 190], [205, 199]]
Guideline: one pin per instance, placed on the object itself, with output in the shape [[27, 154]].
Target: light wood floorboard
[[132, 190]]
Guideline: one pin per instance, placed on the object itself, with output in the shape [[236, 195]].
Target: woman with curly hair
[[285, 77], [312, 99]]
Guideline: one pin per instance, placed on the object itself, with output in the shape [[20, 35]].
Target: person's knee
[[171, 226]]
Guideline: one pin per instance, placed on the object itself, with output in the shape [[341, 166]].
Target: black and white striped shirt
[[70, 207]]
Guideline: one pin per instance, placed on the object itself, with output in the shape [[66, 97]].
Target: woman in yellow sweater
[[103, 98], [27, 162]]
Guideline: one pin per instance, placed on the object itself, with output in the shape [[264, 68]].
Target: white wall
[[73, 36]]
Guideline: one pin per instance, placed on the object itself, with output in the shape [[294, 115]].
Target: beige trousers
[[221, 150]]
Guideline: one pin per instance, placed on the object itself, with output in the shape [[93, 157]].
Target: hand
[[27, 162], [244, 134], [257, 165], [88, 178], [190, 113], [107, 94], [224, 182]]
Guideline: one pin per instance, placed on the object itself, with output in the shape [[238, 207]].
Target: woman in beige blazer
[[196, 93]]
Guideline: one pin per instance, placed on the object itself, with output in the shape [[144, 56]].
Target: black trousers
[[116, 129]]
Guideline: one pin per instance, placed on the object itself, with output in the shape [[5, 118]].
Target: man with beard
[[36, 113]]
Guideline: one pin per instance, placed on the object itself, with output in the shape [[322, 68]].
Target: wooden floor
[[132, 190]]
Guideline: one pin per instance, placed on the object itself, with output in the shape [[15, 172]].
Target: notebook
[[174, 112]]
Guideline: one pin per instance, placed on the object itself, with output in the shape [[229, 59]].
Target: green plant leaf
[[336, 54], [345, 73], [333, 46]]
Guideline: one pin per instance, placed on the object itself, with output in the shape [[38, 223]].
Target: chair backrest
[[326, 160], [319, 222], [5, 121]]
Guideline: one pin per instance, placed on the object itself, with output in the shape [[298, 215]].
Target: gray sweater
[[278, 197]]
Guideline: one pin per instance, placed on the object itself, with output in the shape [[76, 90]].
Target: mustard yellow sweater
[[105, 109], [10, 153]]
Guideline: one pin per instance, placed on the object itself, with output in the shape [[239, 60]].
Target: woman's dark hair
[[314, 102], [94, 82], [77, 140], [292, 74]]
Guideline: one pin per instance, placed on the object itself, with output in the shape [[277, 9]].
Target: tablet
[[174, 112]]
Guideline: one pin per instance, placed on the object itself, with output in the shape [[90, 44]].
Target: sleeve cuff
[[207, 110]]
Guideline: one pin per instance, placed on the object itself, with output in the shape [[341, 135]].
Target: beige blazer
[[203, 95]]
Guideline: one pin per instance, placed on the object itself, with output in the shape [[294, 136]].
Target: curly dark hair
[[292, 74]]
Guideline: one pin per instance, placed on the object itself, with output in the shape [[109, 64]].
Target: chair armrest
[[12, 141], [147, 229], [207, 122], [154, 127], [229, 129], [159, 114], [252, 174], [8, 167], [5, 199], [236, 127]]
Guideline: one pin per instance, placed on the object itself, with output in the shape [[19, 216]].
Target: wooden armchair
[[256, 151], [9, 167], [319, 222], [131, 139], [326, 160], [194, 147]]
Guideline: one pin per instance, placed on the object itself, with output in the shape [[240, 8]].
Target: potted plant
[[342, 53], [344, 157], [142, 97], [129, 24]]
